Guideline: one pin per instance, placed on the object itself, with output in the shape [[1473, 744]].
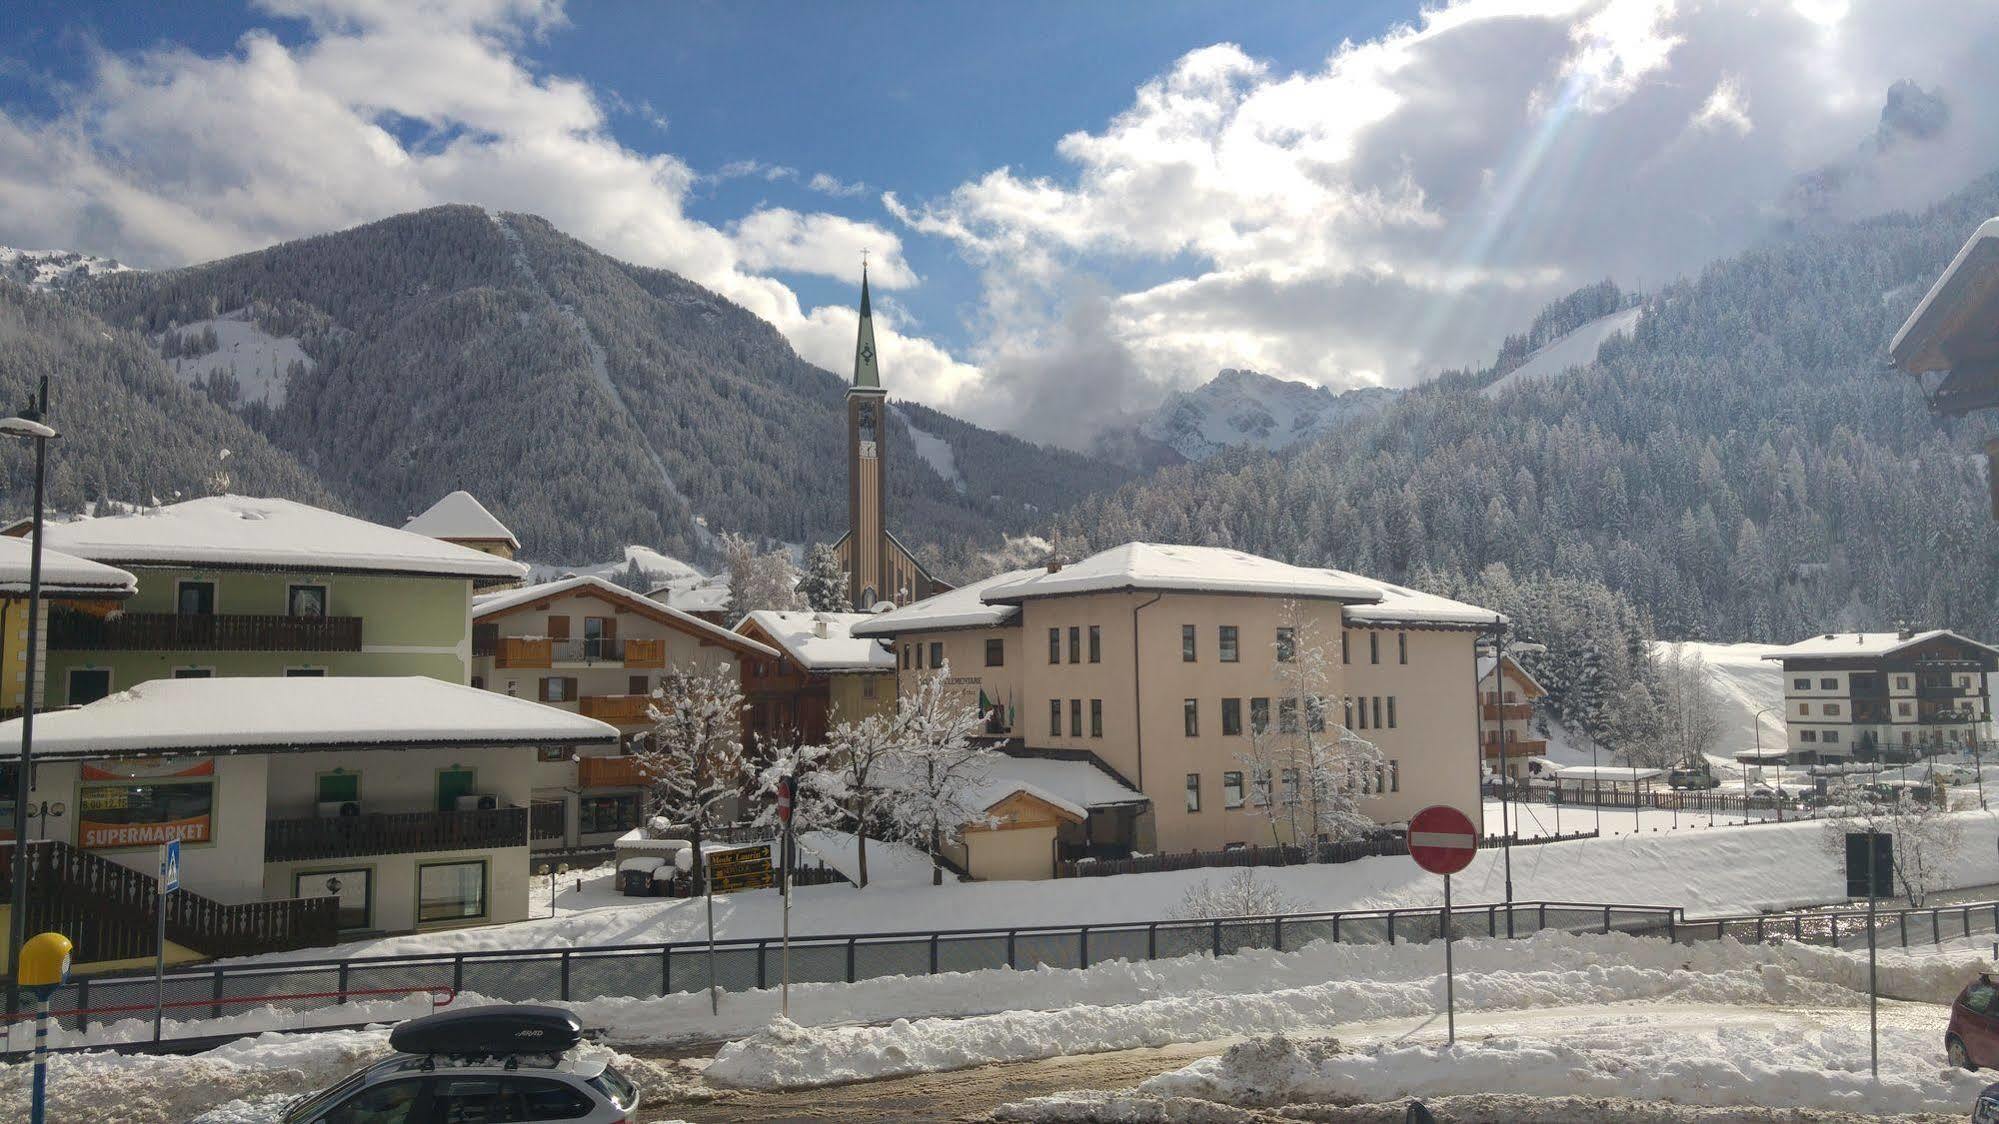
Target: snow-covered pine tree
[[823, 588]]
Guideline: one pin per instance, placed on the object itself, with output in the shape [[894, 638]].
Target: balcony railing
[[645, 652], [589, 649], [609, 772], [204, 632], [521, 651], [393, 833], [618, 710], [1517, 747], [1512, 712]]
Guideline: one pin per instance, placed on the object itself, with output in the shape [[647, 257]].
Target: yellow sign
[[742, 868]]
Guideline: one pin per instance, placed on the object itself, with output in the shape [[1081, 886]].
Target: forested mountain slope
[[129, 431], [1742, 465], [589, 403]]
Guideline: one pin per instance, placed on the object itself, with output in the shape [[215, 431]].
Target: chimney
[[819, 626], [1054, 564], [1903, 631]]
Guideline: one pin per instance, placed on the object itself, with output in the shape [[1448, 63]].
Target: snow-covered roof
[[461, 516], [839, 650], [1954, 306], [487, 606], [1514, 671], [1607, 773], [1074, 786], [1402, 605], [279, 713], [1848, 645], [63, 575], [1191, 569], [245, 531], [963, 607]]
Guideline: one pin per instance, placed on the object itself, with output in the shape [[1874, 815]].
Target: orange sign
[[139, 834]]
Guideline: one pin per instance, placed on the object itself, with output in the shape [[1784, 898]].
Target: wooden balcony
[[203, 632], [393, 833], [609, 772], [644, 652], [618, 710], [1511, 712], [1516, 748], [523, 651]]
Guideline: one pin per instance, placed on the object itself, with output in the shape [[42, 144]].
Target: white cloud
[[1402, 206], [166, 156]]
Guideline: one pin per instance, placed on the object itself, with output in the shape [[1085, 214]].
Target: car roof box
[[491, 1030]]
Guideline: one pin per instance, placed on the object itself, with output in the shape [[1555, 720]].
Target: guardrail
[[651, 970]]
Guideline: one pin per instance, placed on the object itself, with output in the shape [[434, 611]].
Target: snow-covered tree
[[863, 750], [758, 581], [1241, 895], [937, 769], [1689, 707], [824, 586], [819, 791], [1927, 838], [693, 755]]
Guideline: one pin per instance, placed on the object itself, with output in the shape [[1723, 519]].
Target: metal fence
[[651, 970]]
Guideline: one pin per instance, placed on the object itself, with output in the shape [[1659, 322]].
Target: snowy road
[[973, 1093]]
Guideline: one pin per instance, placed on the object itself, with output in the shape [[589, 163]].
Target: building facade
[[1891, 696], [822, 674], [1158, 663], [594, 648], [232, 586], [1506, 711], [460, 518], [74, 585]]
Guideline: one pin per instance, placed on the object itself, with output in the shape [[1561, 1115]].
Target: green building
[[234, 586]]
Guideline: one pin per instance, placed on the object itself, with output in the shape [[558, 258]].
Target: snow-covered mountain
[[1248, 408], [1574, 349], [53, 269]]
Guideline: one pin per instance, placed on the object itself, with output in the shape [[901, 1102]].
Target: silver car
[[580, 1086]]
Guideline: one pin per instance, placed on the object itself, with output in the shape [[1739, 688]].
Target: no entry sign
[[1442, 839]]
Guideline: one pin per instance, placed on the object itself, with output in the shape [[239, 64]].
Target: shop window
[[448, 892]]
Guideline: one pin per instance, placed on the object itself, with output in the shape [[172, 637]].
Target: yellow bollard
[[44, 967]]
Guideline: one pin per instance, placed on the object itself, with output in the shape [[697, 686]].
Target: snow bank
[[1213, 999], [1822, 1069], [889, 864]]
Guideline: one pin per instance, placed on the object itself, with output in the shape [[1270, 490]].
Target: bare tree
[[758, 581], [693, 755], [1926, 836], [937, 768]]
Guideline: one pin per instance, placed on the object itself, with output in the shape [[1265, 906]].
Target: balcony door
[[600, 638], [195, 599], [452, 784]]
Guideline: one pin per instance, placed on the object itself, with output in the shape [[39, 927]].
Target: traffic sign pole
[[1450, 990], [1444, 841], [714, 989], [786, 792], [169, 882]]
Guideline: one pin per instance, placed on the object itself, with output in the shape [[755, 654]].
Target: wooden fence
[[1273, 855]]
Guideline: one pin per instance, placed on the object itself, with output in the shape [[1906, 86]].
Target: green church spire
[[867, 369]]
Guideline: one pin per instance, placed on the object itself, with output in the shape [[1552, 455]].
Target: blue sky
[[1075, 207]]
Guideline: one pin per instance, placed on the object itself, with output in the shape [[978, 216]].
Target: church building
[[879, 568]]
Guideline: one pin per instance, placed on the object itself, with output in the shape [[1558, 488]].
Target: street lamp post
[[27, 425], [1777, 788]]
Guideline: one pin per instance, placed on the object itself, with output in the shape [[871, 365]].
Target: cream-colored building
[[591, 646], [404, 798], [1154, 662]]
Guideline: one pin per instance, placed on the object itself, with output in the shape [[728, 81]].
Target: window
[[1231, 717], [1187, 643], [305, 600], [1259, 716], [305, 673], [351, 889], [1380, 779], [1075, 718], [558, 688], [1829, 735], [478, 682], [1831, 709], [450, 892], [1290, 782], [1054, 718], [1096, 644], [1374, 647], [1808, 735], [1193, 792], [1979, 998], [1259, 786], [1401, 647], [1231, 790], [905, 657], [637, 685], [1391, 712], [1287, 644], [919, 657], [1349, 710], [391, 1100], [481, 1098], [1861, 682], [338, 785], [88, 684], [1801, 684], [129, 814], [1901, 682], [618, 812], [1054, 645], [1360, 710], [551, 754], [1287, 716], [1096, 718], [1190, 712], [1394, 775], [1906, 738], [937, 653], [1828, 684], [1902, 710], [1227, 646], [1075, 644], [868, 688], [194, 673], [1315, 714], [1377, 712], [995, 652], [1346, 656], [195, 598], [1804, 709], [513, 688]]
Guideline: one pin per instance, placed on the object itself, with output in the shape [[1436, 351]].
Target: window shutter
[[542, 687], [569, 688], [558, 627], [610, 628]]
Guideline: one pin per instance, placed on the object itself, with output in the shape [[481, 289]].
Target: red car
[[1973, 1037]]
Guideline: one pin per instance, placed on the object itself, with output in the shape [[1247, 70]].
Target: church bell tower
[[867, 541]]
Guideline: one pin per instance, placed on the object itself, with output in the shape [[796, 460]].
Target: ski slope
[[1576, 349]]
